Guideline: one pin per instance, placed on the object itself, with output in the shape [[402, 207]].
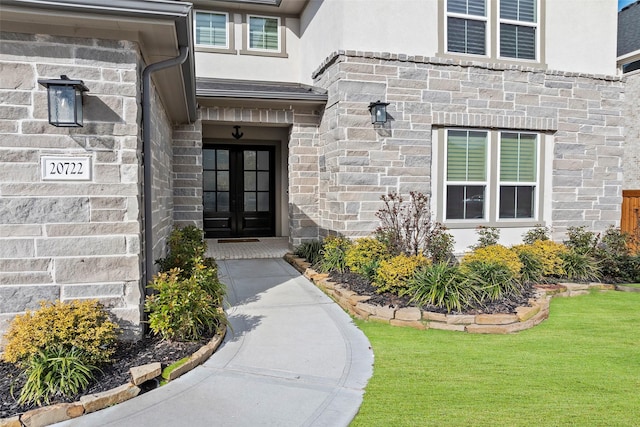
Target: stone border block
[[95, 402], [143, 373], [415, 324], [51, 414], [446, 327]]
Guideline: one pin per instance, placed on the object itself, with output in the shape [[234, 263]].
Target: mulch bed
[[127, 355], [362, 286]]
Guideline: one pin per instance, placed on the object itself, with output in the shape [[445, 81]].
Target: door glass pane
[[209, 159], [209, 201], [208, 180], [263, 181], [223, 202], [223, 181], [250, 181], [222, 159], [263, 160], [263, 202], [250, 160], [250, 202]]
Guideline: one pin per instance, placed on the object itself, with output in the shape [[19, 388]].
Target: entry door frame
[[239, 219]]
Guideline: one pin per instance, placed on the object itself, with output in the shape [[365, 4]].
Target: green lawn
[[633, 285], [580, 367]]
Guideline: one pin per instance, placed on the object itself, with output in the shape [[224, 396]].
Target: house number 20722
[[66, 168]]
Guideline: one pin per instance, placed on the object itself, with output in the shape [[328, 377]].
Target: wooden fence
[[630, 220]]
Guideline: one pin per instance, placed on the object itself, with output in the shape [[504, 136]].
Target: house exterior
[[507, 113]]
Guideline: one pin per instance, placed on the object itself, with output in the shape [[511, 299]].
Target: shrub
[[311, 251], [334, 252], [56, 371], [207, 278], [83, 325], [487, 236], [613, 253], [182, 309], [580, 266], [404, 225], [494, 254], [492, 279], [532, 268], [393, 274], [439, 245], [185, 245], [441, 285], [364, 256], [549, 253], [539, 232], [580, 240]]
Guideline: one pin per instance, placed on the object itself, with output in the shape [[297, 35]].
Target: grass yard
[[580, 367]]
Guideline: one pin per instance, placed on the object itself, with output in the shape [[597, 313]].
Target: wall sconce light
[[378, 112], [65, 101]]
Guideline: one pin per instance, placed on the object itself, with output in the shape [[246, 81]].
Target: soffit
[[158, 40], [281, 7]]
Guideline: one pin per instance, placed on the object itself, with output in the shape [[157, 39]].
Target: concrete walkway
[[291, 358]]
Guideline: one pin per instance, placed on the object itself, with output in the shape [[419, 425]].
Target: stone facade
[[187, 175], [77, 239], [359, 162], [632, 132]]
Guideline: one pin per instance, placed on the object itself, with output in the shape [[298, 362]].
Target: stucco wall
[[632, 132], [582, 114], [76, 239]]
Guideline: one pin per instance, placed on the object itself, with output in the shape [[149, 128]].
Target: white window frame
[[492, 181], [227, 30], [278, 34], [485, 19], [535, 25]]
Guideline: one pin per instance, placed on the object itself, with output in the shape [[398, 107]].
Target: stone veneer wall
[[162, 182], [358, 162], [187, 175], [303, 160], [70, 240], [632, 132]]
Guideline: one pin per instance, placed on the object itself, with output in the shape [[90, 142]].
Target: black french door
[[238, 191]]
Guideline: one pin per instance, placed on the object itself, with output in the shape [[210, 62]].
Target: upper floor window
[[467, 26], [264, 33], [212, 29], [518, 25], [471, 23]]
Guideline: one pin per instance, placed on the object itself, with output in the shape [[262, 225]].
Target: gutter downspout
[[148, 158]]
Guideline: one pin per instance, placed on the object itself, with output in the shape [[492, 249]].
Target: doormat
[[237, 240]]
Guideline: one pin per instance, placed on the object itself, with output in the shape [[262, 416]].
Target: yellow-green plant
[[181, 309], [364, 256], [550, 255], [531, 263], [393, 274], [83, 325], [334, 251], [495, 254]]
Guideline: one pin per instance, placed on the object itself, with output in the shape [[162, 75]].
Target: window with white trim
[[212, 29], [467, 26], [491, 176], [470, 25], [263, 33], [518, 27]]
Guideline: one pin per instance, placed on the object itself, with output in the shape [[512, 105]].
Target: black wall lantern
[[65, 101], [378, 112]]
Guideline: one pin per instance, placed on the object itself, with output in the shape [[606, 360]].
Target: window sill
[[212, 49], [472, 224], [264, 53]]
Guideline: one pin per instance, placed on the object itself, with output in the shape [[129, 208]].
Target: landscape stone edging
[[525, 317], [52, 414]]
